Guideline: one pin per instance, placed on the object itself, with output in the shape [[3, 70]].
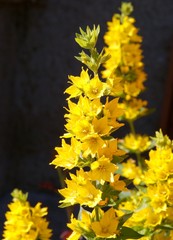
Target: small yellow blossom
[[107, 226], [134, 109], [131, 171], [102, 169], [136, 143], [68, 154], [95, 88], [78, 84], [80, 190]]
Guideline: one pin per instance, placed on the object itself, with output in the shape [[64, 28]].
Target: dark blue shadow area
[[56, 216]]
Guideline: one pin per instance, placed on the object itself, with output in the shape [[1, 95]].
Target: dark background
[[37, 50]]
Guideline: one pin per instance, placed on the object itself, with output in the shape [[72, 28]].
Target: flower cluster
[[126, 67], [25, 222], [123, 187], [152, 203], [151, 196], [90, 148], [96, 108]]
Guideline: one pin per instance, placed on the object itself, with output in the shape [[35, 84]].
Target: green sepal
[[119, 159], [124, 218], [19, 195], [63, 205], [88, 39]]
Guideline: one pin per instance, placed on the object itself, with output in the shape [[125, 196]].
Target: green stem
[[97, 213], [61, 177], [132, 128], [139, 160]]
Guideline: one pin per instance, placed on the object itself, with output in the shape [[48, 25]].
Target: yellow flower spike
[[91, 120], [25, 222], [107, 226]]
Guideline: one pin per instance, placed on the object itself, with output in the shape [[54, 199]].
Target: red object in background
[[65, 234], [47, 186]]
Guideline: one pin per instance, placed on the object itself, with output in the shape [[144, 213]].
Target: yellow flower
[[68, 154], [112, 111], [136, 143], [158, 195], [107, 226], [95, 88], [102, 169], [84, 109], [117, 184], [131, 171], [134, 109], [110, 149], [153, 219], [114, 85], [78, 84], [88, 195], [82, 225], [79, 128], [160, 161], [80, 190], [89, 108], [101, 126], [92, 143]]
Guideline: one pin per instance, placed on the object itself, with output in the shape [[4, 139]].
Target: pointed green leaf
[[126, 233], [124, 218]]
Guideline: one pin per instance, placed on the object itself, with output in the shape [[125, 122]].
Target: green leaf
[[126, 233], [124, 218], [119, 159]]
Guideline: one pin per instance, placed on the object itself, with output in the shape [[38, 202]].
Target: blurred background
[[37, 50]]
